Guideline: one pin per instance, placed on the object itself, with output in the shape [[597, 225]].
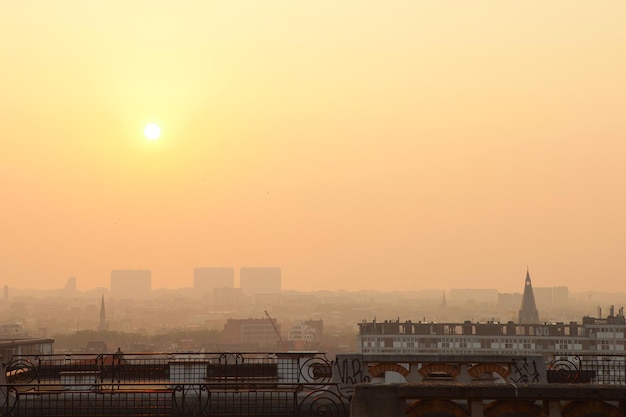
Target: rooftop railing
[[173, 400], [179, 384], [281, 384], [587, 369], [147, 368]]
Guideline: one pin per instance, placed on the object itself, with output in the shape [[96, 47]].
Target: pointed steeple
[[103, 325], [528, 314]]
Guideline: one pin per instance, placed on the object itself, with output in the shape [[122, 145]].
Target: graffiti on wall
[[350, 371], [524, 370]]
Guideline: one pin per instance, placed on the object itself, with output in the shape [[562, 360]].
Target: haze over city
[[355, 145]]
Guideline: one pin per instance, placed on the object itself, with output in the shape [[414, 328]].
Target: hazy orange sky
[[356, 144]]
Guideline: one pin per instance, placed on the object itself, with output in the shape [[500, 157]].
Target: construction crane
[[283, 345]]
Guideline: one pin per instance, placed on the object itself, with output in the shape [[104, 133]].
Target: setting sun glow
[[152, 131]]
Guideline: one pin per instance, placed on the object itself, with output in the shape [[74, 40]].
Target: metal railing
[[147, 368], [588, 369], [199, 400], [254, 384], [166, 384]]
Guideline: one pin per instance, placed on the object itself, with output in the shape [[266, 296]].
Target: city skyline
[[203, 279], [357, 145]]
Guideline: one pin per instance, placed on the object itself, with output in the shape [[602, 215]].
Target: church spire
[[528, 314], [103, 325]]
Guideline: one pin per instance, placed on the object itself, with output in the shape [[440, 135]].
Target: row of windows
[[475, 345], [609, 335], [510, 345], [606, 330], [505, 343], [459, 345]]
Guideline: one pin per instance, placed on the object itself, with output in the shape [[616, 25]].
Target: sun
[[152, 131]]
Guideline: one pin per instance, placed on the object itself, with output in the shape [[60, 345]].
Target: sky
[[357, 145]]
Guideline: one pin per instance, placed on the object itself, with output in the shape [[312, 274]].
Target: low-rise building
[[252, 333], [594, 336]]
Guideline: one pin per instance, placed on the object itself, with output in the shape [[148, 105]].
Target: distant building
[[95, 346], [543, 297], [560, 296], [305, 334], [228, 297], [17, 340], [528, 313], [70, 287], [300, 334], [551, 297], [251, 333], [594, 336], [34, 346], [474, 295], [318, 326], [131, 283], [14, 331], [260, 280], [507, 301], [103, 324], [206, 280]]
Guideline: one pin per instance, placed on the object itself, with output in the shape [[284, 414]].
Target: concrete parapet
[[376, 400], [480, 399], [416, 368]]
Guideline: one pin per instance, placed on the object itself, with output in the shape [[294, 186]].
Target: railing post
[[414, 375], [3, 385], [554, 408], [3, 372], [464, 376], [476, 408]]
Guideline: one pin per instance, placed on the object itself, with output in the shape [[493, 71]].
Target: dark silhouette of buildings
[[528, 313], [103, 324], [206, 280]]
